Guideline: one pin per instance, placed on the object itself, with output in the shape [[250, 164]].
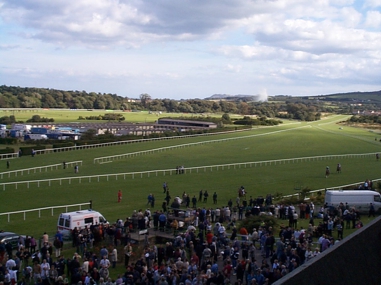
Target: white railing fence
[[187, 170], [106, 159], [39, 168], [88, 146], [340, 187], [52, 208], [9, 156]]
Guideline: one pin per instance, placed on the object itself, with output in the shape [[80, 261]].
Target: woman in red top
[[119, 196], [209, 237], [244, 233], [227, 269]]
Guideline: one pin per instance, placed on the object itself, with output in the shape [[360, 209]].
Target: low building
[[187, 123]]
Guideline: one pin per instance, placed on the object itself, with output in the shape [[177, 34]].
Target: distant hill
[[373, 97], [365, 97], [359, 97]]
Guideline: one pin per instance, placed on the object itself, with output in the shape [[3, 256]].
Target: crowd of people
[[211, 251]]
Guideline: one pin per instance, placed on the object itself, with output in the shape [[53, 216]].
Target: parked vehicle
[[360, 199], [35, 137], [9, 237], [79, 219]]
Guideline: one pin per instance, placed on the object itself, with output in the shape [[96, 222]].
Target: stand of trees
[[105, 117], [17, 97], [39, 119], [365, 119]]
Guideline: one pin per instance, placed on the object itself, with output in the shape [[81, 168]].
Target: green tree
[[48, 101], [226, 119], [145, 99]]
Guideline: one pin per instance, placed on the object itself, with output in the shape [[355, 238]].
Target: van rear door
[[64, 225], [377, 202]]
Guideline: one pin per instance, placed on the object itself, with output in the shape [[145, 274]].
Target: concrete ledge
[[355, 260]]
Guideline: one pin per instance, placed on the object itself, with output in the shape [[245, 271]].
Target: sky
[[185, 49]]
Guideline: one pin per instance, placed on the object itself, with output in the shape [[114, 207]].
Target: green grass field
[[289, 140], [66, 115]]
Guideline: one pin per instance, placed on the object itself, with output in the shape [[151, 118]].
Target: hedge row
[[9, 141], [27, 150], [65, 144], [7, 150]]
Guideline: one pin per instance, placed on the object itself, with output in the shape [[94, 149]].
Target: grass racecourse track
[[290, 140], [67, 115]]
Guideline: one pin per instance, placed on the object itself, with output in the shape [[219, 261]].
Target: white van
[[35, 137], [79, 219], [360, 199]]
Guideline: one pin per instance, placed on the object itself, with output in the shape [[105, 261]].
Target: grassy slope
[[319, 138], [307, 139], [65, 115]]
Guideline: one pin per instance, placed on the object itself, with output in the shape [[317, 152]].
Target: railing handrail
[[44, 209], [110, 157], [39, 167], [9, 155], [187, 169], [68, 148]]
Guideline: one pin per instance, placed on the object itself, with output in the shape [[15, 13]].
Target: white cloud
[[350, 17], [373, 19], [233, 68], [372, 3], [193, 44]]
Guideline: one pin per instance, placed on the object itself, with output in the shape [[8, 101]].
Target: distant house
[[186, 123]]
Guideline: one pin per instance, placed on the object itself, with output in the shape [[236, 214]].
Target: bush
[[38, 119], [27, 150], [65, 144], [7, 150], [9, 140]]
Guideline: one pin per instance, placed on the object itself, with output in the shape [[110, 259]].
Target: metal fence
[[39, 169], [87, 146], [187, 170], [106, 159], [9, 155], [39, 210]]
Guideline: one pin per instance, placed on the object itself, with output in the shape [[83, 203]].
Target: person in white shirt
[[221, 231], [227, 214], [276, 265], [45, 267], [10, 264], [85, 265], [309, 254], [114, 257], [218, 214], [296, 234], [104, 263], [320, 240], [312, 208]]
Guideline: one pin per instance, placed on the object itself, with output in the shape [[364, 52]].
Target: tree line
[[19, 97], [365, 119]]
